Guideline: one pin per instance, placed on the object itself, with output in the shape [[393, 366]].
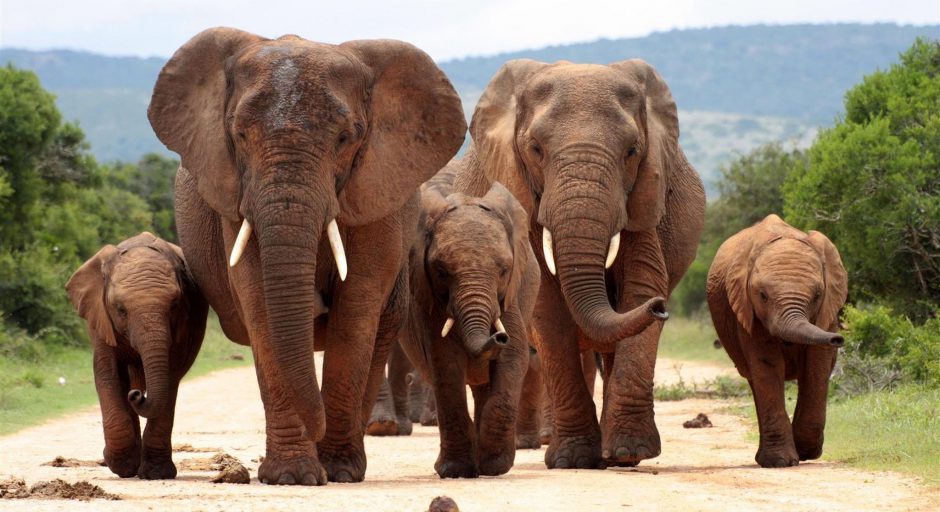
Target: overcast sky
[[444, 28]]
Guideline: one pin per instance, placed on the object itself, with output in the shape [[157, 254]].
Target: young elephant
[[775, 293], [146, 320], [475, 280]]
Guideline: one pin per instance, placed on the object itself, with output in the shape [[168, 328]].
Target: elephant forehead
[[591, 81], [787, 254], [470, 229]]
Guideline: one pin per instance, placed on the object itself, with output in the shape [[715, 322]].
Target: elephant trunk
[[289, 232], [154, 340], [474, 321], [582, 242], [797, 329]]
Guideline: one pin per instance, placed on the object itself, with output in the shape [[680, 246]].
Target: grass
[[30, 392], [691, 339], [720, 387]]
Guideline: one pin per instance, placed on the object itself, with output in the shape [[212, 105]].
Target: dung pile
[[700, 421], [231, 470], [53, 489], [62, 462]]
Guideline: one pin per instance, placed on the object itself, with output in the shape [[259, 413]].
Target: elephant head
[[792, 282], [138, 295], [593, 147], [289, 136], [474, 254]]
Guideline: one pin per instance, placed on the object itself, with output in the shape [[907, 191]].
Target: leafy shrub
[[32, 293]]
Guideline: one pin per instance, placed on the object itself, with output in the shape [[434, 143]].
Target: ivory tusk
[[241, 241], [336, 244], [498, 324], [547, 250], [613, 250], [447, 325]]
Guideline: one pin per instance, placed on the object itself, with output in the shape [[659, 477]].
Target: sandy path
[[704, 469]]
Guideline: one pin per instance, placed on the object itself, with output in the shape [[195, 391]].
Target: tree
[[872, 184]]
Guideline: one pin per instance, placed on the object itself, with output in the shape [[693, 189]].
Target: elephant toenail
[[286, 479]]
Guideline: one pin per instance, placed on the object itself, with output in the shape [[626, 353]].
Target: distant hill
[[736, 87]]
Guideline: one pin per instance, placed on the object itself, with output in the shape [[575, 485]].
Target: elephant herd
[[319, 207]]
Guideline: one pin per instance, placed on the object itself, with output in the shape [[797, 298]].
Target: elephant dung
[[700, 421], [443, 504]]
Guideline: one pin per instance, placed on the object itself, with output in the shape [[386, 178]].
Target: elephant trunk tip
[[136, 397], [657, 308], [837, 340]]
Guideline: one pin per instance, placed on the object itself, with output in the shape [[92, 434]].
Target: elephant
[[775, 293], [474, 280], [404, 398], [280, 141], [592, 153], [146, 319]]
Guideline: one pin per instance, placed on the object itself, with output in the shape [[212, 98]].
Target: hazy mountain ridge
[[736, 87]]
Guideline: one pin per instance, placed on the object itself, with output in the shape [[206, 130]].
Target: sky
[[445, 29]]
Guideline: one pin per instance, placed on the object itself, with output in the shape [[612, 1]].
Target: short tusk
[[447, 325], [547, 250], [498, 324], [336, 244], [614, 249], [241, 241]]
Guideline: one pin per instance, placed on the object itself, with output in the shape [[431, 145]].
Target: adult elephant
[[281, 140], [592, 153]]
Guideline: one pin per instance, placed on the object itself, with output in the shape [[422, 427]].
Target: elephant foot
[[302, 470], [123, 464], [625, 450], [777, 458], [528, 441], [545, 435], [448, 466], [382, 427], [157, 469], [809, 451], [575, 452], [345, 465], [428, 417], [499, 463], [405, 426]]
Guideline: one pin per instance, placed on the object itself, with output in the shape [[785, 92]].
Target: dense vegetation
[[872, 184], [58, 206]]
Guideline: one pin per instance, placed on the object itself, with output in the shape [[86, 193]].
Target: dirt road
[[702, 469]]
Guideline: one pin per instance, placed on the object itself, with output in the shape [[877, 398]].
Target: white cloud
[[444, 28]]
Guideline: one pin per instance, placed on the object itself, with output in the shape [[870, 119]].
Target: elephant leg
[[576, 442], [497, 421], [458, 455], [547, 416], [398, 369], [417, 395], [429, 410], [290, 454], [527, 426], [120, 422], [157, 459], [589, 367], [365, 318], [630, 433], [382, 420], [809, 419], [768, 370]]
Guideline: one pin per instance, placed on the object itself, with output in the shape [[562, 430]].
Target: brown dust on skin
[[704, 469]]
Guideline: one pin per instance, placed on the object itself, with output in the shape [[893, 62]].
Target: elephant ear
[[493, 127], [417, 125], [514, 217], [736, 253], [646, 202], [187, 112], [836, 279], [86, 291]]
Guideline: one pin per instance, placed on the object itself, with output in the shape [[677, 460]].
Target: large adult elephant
[[281, 140], [592, 153]]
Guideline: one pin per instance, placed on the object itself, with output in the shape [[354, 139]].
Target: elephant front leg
[[630, 433], [120, 422], [458, 455], [497, 428], [809, 419], [768, 370], [527, 426], [382, 419], [399, 368], [157, 459]]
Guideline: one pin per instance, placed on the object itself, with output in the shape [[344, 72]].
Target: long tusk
[[447, 325], [547, 250], [241, 241], [336, 244], [498, 324], [614, 249]]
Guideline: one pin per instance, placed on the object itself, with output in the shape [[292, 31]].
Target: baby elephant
[[475, 280], [146, 320], [775, 293]]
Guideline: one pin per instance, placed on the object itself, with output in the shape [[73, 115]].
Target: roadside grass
[[691, 339], [30, 392]]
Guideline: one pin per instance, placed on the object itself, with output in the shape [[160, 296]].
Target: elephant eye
[[817, 296], [121, 310], [342, 139], [537, 149], [631, 151], [763, 296]]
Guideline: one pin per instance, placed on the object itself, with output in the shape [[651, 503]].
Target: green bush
[[32, 294]]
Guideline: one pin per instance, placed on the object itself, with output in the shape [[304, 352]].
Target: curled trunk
[[155, 357], [475, 330]]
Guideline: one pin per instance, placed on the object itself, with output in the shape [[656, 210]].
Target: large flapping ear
[[735, 254], [646, 203], [86, 291], [493, 127], [187, 113], [500, 200], [417, 125], [836, 279]]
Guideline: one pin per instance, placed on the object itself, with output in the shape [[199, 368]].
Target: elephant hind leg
[[382, 420], [527, 426]]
